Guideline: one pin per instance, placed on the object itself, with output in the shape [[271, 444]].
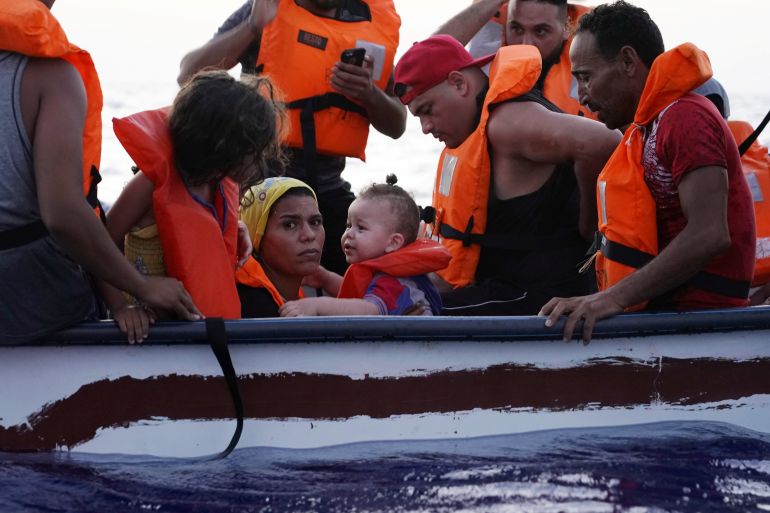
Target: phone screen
[[354, 56]]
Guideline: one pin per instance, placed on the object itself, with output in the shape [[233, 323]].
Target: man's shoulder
[[690, 114], [53, 76], [693, 104], [513, 117]]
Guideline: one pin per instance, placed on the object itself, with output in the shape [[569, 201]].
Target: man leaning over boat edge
[[48, 229], [514, 191], [672, 199]]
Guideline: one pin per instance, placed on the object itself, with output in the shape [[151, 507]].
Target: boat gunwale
[[417, 329]]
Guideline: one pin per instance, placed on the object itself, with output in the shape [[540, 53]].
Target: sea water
[[663, 467]]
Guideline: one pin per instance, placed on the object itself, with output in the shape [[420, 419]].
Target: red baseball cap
[[429, 62]]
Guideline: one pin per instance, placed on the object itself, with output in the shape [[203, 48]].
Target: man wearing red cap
[[514, 192]]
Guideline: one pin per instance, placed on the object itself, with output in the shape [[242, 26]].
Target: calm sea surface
[[671, 467], [666, 467]]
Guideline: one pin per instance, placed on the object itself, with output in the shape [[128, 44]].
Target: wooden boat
[[313, 382]]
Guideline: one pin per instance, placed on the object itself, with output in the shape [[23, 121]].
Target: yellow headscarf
[[260, 200]]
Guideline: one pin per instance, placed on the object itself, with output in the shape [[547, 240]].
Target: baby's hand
[[134, 321], [299, 308]]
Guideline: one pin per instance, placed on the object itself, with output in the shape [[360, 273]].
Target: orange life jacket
[[197, 250], [297, 51], [28, 28], [420, 257], [756, 169], [628, 237], [253, 275], [560, 87], [461, 191]]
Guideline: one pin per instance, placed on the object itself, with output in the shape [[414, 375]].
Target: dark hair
[[401, 204], [561, 4], [621, 24], [221, 127]]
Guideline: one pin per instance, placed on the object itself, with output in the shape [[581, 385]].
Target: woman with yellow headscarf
[[286, 229]]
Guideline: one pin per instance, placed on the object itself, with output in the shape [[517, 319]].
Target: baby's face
[[370, 230]]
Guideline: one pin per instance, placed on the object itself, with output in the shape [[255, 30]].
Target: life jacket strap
[[308, 107], [22, 235], [512, 242], [706, 281]]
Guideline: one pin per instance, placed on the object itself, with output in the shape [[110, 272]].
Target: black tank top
[[546, 247]]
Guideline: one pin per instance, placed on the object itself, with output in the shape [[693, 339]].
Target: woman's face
[[294, 236]]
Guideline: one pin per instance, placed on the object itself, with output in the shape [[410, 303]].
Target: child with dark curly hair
[[178, 216], [389, 264]]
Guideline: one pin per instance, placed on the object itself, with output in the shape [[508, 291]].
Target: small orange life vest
[[28, 28], [253, 275], [297, 51], [420, 257], [560, 87], [756, 169], [461, 191], [198, 249], [628, 236]]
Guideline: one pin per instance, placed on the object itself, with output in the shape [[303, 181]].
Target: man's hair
[[220, 126], [621, 24], [402, 206], [561, 4]]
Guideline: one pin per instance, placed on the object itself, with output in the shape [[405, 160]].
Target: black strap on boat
[[22, 235], [703, 280], [308, 107], [745, 145], [217, 335]]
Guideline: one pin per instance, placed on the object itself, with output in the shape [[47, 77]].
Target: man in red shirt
[[703, 212]]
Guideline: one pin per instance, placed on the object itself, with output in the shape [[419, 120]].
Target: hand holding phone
[[354, 56]]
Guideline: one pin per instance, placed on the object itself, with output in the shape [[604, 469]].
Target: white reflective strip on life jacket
[[447, 174], [603, 200], [756, 190]]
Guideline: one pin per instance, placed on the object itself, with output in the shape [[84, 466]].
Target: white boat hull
[[170, 399]]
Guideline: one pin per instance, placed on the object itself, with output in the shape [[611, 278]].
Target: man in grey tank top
[[47, 229]]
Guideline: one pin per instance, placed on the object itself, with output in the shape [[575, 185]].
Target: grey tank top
[[41, 289]]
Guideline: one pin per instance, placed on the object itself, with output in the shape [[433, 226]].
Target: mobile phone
[[354, 56]]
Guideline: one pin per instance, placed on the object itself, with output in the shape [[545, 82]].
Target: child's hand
[[299, 308], [245, 246], [134, 321]]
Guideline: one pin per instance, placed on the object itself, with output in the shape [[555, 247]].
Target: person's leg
[[334, 205]]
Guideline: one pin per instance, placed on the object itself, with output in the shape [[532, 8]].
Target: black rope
[[217, 335], [745, 145]]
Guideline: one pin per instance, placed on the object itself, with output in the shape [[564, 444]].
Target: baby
[[389, 266]]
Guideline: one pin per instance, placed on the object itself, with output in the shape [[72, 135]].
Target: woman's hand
[[134, 321]]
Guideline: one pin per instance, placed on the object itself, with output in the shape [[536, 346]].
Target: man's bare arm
[[703, 196], [224, 50], [466, 24], [386, 112], [531, 132]]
